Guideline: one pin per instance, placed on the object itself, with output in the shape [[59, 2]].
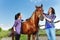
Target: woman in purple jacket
[[17, 25], [49, 25]]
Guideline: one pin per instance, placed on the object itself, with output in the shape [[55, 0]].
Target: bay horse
[[30, 26]]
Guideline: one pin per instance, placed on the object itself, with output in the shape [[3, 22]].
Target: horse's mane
[[31, 16]]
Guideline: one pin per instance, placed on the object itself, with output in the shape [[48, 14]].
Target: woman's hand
[[47, 18], [14, 29], [43, 15]]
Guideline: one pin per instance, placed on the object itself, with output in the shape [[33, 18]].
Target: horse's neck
[[34, 19]]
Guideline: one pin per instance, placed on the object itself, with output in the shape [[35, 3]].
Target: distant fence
[[54, 22]]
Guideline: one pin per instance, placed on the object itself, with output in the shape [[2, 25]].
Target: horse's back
[[28, 28]]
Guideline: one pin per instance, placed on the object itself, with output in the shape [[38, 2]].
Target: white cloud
[[5, 26], [1, 24], [35, 1]]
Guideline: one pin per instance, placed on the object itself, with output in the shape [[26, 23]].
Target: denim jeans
[[51, 33]]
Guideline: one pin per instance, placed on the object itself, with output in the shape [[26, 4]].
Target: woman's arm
[[14, 28], [47, 18], [15, 23], [50, 19]]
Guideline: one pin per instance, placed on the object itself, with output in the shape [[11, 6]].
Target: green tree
[[0, 29], [10, 29]]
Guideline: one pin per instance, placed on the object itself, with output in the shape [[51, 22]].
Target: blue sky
[[8, 9]]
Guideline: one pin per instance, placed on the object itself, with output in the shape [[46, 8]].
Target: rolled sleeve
[[15, 24], [53, 18]]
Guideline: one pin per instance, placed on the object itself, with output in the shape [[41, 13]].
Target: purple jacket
[[17, 26]]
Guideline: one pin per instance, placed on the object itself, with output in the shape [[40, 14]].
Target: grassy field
[[24, 37], [3, 34], [43, 32]]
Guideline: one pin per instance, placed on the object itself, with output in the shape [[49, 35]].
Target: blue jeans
[[51, 33]]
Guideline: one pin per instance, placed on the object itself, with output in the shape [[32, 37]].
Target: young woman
[[49, 25], [17, 26]]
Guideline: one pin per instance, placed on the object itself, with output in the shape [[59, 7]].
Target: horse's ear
[[35, 6], [41, 5]]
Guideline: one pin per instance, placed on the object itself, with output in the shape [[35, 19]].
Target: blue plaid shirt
[[49, 24]]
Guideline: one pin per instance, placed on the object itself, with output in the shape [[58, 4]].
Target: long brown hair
[[53, 10]]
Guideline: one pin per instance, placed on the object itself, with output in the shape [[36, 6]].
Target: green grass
[[24, 37], [58, 32], [43, 32], [3, 34]]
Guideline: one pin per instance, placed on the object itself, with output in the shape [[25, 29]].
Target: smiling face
[[50, 10], [20, 17]]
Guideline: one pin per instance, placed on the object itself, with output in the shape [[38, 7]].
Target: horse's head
[[39, 12]]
